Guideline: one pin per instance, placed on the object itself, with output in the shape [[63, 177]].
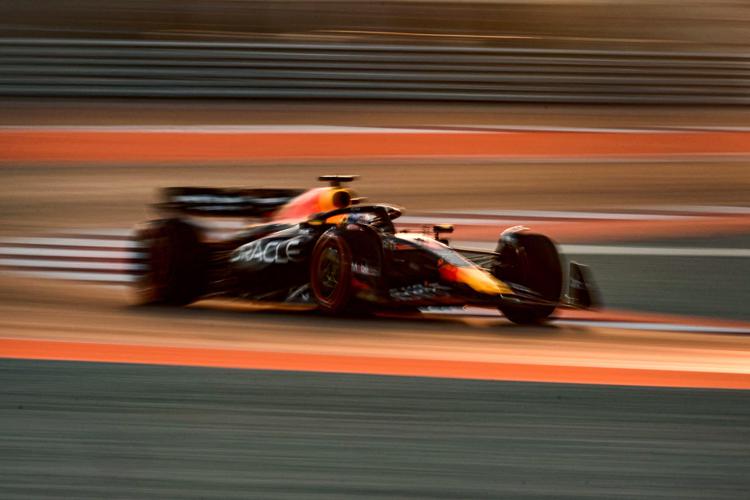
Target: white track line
[[704, 210], [626, 250], [656, 251], [661, 327], [77, 276], [66, 264], [312, 128], [465, 221], [68, 252], [558, 214], [81, 241], [244, 129], [120, 233]]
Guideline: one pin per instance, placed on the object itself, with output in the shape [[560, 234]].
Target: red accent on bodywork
[[304, 205], [312, 202], [449, 272]]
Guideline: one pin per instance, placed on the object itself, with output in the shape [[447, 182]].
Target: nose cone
[[479, 280]]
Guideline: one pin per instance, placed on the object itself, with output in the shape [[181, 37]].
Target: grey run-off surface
[[88, 430]]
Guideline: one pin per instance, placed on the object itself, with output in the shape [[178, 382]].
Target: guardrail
[[69, 67]]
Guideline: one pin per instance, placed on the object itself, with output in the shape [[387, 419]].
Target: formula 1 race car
[[324, 247]]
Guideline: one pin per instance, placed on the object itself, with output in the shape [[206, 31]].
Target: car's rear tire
[[331, 274], [530, 260], [176, 264]]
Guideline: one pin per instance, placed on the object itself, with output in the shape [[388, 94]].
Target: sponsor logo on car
[[364, 269], [270, 252]]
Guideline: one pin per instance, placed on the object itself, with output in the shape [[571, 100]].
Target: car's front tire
[[532, 261]]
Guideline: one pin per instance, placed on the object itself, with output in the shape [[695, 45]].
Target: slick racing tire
[[175, 264], [331, 273], [530, 260]]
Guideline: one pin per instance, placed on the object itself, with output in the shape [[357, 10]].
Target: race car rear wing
[[225, 202]]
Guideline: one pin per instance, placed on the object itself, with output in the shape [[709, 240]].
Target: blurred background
[[619, 128], [533, 51], [581, 24]]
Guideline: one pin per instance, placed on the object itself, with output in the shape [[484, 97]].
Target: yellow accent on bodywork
[[482, 281], [325, 201]]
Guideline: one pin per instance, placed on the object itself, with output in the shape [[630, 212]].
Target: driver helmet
[[359, 218]]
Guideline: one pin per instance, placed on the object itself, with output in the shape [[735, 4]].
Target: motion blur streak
[[131, 146], [121, 353]]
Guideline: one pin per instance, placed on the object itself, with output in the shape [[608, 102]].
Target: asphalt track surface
[[240, 334], [86, 430]]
